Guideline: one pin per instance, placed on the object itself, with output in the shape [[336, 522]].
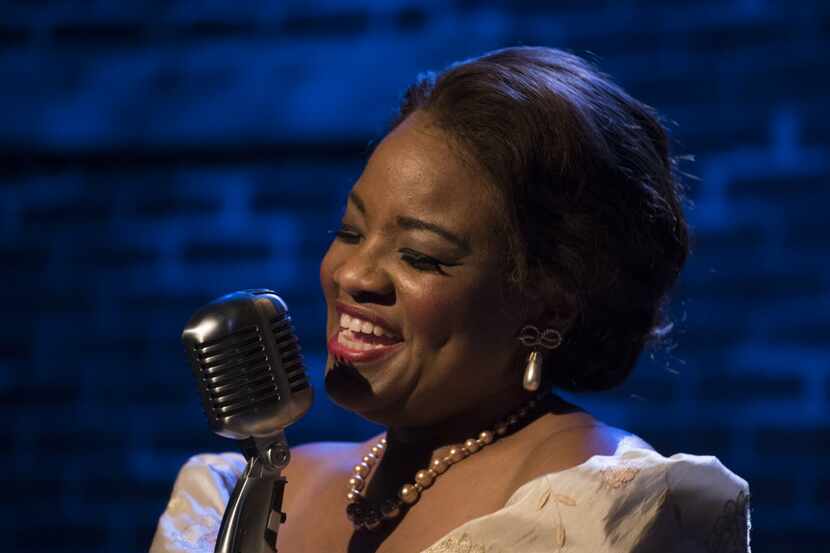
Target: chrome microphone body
[[247, 362]]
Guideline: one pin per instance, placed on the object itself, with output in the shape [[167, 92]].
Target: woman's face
[[420, 324]]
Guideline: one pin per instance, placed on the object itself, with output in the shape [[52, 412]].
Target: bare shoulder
[[313, 459], [570, 447], [317, 462], [313, 469]]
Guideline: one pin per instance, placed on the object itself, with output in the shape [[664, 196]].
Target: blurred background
[[155, 155]]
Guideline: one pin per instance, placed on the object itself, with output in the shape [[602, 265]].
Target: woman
[[516, 231]]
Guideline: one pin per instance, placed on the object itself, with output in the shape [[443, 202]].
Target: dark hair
[[591, 196]]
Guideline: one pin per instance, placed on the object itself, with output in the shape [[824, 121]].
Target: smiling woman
[[515, 232], [418, 253]]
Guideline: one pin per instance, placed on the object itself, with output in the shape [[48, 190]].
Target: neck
[[410, 449], [454, 430]]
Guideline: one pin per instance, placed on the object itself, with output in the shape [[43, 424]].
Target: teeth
[[365, 327], [343, 337]]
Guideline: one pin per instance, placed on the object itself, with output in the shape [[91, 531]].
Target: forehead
[[416, 171]]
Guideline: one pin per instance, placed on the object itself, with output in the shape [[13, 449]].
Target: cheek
[[458, 314], [327, 268], [429, 309]]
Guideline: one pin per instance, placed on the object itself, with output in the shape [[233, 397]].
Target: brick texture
[[153, 157]]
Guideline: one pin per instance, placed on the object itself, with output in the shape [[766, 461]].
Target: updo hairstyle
[[590, 195]]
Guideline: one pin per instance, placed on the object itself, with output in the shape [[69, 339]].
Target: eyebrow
[[355, 199], [411, 223]]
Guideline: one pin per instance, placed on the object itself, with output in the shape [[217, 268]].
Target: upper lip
[[364, 314]]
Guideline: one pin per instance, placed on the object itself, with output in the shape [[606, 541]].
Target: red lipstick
[[381, 347]]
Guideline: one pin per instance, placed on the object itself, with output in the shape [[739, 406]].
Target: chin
[[346, 386], [351, 390]]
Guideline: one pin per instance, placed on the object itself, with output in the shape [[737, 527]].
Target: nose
[[363, 278]]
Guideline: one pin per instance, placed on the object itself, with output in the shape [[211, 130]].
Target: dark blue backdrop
[[154, 155]]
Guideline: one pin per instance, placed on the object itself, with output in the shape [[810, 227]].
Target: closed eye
[[425, 263], [416, 260], [346, 234]]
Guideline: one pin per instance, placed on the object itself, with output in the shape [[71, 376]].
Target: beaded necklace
[[366, 515]]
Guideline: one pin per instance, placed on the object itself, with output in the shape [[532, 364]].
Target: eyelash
[[416, 260], [346, 236], [423, 262]]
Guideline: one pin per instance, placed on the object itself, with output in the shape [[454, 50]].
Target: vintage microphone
[[247, 362]]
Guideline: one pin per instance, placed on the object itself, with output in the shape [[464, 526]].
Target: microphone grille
[[289, 347], [246, 358], [236, 373]]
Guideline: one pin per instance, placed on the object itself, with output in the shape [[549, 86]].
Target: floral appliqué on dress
[[617, 477], [201, 531], [729, 534], [557, 499], [458, 545]]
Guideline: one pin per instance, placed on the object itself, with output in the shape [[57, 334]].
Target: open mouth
[[358, 340]]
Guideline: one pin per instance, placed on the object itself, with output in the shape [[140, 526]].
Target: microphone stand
[[254, 513]]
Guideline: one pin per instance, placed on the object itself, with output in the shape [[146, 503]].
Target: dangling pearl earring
[[532, 337], [533, 371]]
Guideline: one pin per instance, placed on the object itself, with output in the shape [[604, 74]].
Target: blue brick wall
[[156, 155]]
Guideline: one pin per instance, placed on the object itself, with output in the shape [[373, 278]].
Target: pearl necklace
[[365, 515]]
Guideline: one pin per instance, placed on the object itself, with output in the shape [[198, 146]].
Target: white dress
[[634, 501]]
